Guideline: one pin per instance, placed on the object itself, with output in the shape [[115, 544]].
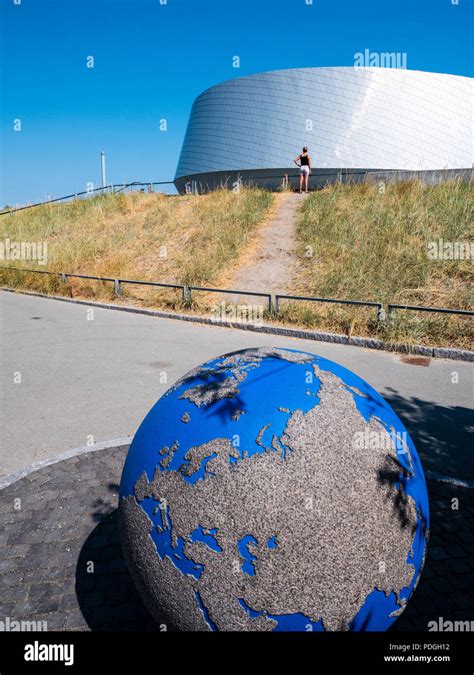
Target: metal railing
[[439, 310], [287, 179], [268, 296], [318, 178], [114, 188], [118, 283], [186, 291], [119, 187], [377, 305], [383, 314]]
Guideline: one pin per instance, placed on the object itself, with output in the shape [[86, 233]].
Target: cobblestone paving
[[58, 520]]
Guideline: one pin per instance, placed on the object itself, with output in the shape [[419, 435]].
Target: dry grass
[[252, 250], [359, 243], [188, 239]]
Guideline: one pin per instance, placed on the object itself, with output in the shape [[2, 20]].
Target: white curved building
[[354, 120]]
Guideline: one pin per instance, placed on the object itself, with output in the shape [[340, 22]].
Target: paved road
[[89, 379]]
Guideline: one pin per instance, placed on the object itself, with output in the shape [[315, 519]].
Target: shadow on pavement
[[442, 435]]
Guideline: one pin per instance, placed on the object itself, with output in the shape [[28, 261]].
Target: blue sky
[[151, 60]]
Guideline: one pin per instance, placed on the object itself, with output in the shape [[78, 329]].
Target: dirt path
[[269, 264]]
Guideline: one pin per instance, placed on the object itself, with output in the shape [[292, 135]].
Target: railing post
[[117, 288], [187, 295], [276, 305], [63, 277], [381, 314]]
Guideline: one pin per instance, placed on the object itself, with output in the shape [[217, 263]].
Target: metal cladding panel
[[385, 118]]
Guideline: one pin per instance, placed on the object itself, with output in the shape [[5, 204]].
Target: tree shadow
[[102, 506], [390, 475], [442, 434], [443, 438]]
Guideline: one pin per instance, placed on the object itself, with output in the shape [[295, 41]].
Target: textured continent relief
[[276, 534]]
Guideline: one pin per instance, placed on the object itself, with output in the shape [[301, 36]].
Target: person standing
[[303, 161]]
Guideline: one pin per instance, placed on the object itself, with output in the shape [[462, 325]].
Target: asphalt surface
[[73, 376]]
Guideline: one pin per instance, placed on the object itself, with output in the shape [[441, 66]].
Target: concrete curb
[[335, 338], [457, 482], [11, 478]]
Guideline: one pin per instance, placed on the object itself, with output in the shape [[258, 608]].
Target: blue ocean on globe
[[257, 401]]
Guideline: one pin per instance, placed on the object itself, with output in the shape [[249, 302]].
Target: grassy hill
[[188, 239], [372, 243]]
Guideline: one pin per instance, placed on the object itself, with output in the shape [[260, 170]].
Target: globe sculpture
[[273, 490]]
